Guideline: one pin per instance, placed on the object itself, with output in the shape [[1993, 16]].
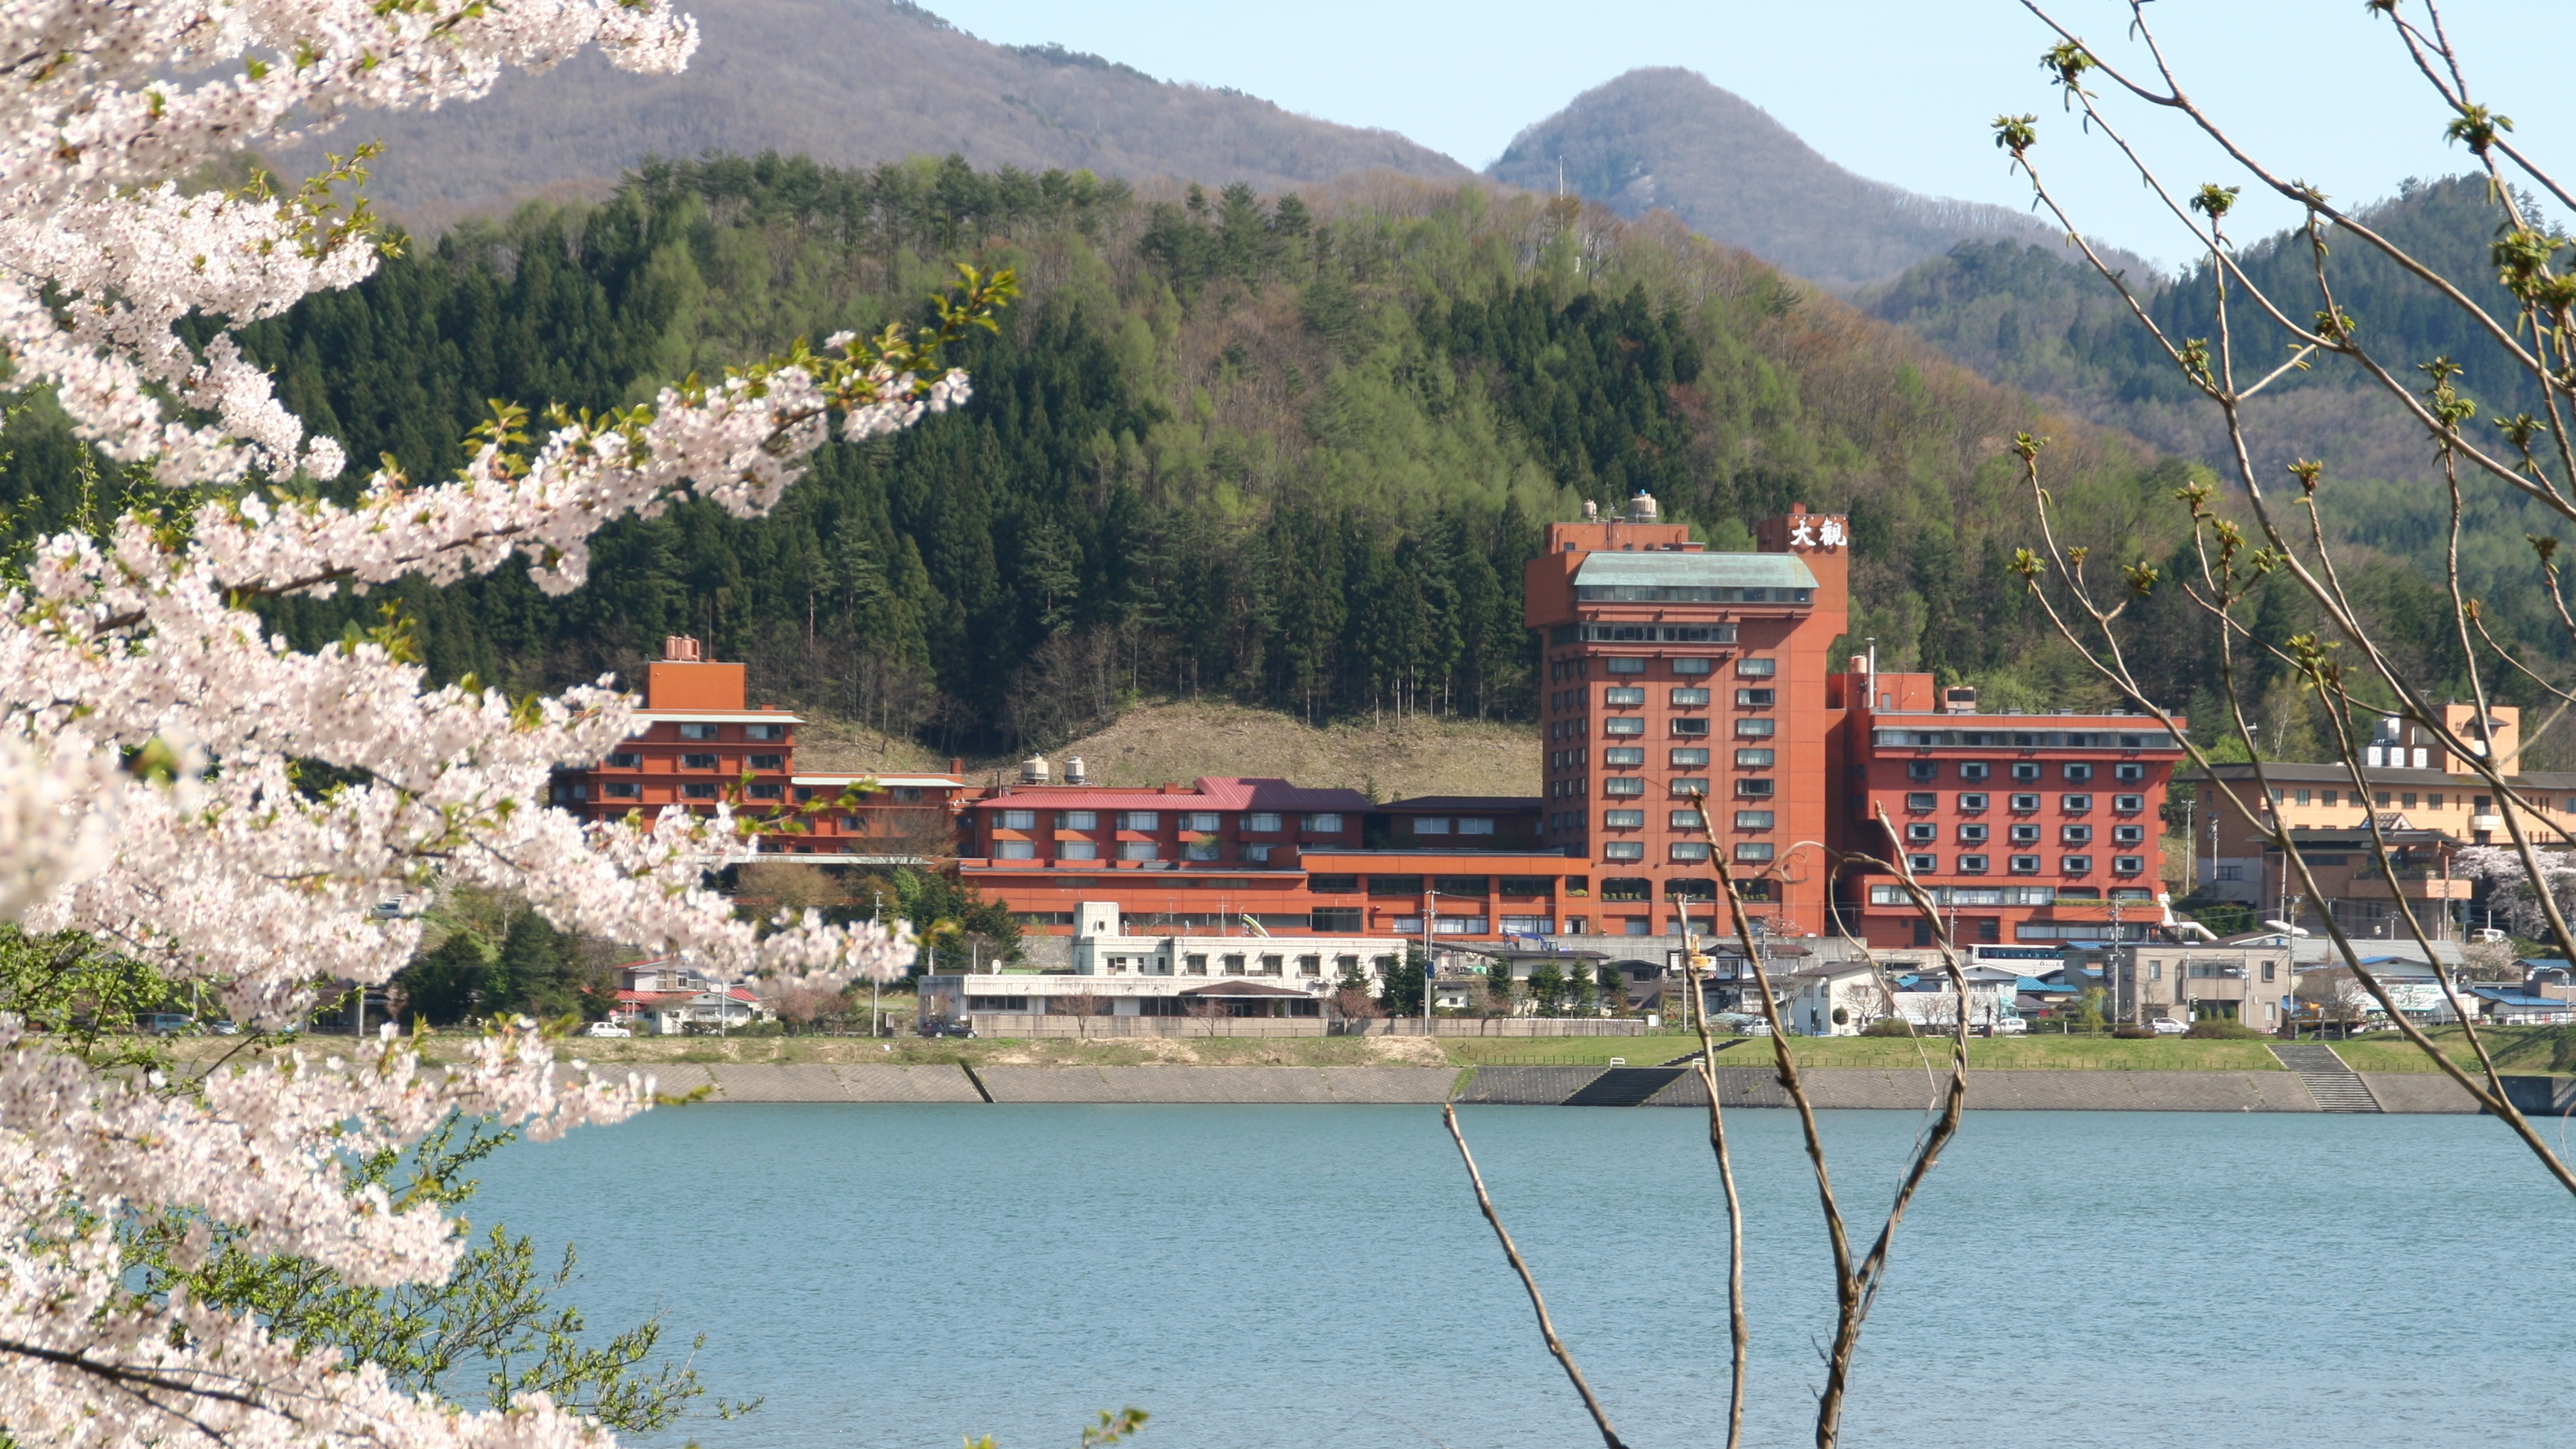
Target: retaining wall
[[1838, 1087]]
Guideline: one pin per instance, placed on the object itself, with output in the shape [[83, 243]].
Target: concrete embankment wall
[[2067, 1091]]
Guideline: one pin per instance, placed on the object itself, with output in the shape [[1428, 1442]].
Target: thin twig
[[1546, 1325]]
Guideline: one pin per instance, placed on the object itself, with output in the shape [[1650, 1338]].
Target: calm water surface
[[1318, 1277]]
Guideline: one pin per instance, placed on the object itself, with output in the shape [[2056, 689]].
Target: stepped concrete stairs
[[2336, 1087]]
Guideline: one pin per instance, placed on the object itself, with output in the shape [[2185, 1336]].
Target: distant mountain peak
[[1664, 136], [852, 83]]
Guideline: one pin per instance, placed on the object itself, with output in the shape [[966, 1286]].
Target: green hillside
[[2025, 317], [1289, 450]]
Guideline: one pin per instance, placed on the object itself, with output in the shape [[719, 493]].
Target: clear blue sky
[[1898, 90]]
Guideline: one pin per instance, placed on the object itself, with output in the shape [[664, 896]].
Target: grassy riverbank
[[2518, 1049]]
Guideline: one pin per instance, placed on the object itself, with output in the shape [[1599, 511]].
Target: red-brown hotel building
[[1668, 669]]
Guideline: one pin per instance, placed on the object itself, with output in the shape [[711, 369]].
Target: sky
[[1899, 92]]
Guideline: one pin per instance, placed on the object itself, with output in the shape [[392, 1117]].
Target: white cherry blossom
[[151, 730]]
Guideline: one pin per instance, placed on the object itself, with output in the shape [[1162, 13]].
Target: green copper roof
[[1661, 569]]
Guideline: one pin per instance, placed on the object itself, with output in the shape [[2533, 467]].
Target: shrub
[[1890, 1026], [2133, 1033], [2223, 1031]]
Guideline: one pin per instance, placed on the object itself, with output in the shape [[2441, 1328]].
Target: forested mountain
[[1290, 450], [850, 83], [2024, 316], [1665, 137]]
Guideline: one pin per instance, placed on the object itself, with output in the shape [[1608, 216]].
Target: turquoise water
[[1318, 1277]]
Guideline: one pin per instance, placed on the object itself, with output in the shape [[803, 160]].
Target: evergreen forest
[[1292, 449]]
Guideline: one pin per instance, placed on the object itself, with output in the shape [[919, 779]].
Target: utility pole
[[1430, 915], [875, 1022]]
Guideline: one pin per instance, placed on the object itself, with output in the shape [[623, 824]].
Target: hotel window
[[769, 762], [1696, 759], [1334, 921], [1972, 800], [1975, 770], [854, 825], [1475, 825], [1623, 819], [697, 792], [2075, 835], [622, 761], [1923, 864], [1689, 699], [623, 790], [1431, 825], [2024, 804], [1923, 800], [1077, 850], [1624, 850], [1623, 755], [1972, 865], [1625, 666], [1199, 850], [1752, 852], [2407, 800], [1263, 822], [2431, 802], [1757, 668], [1690, 727], [1141, 820], [1139, 850], [1754, 789], [1922, 770], [2299, 797], [2132, 774], [710, 762], [1763, 729], [1194, 964], [1325, 823], [1231, 963], [697, 731], [1756, 698], [1688, 667], [2025, 865], [1204, 822], [1015, 850], [1623, 785], [1755, 759], [1310, 965], [2079, 772], [2132, 804], [768, 792], [1753, 819], [2077, 865], [2128, 834], [1923, 833], [1689, 850], [1618, 725], [1682, 785], [2075, 804], [2025, 771], [2025, 835], [764, 732], [1688, 820], [1077, 820], [1972, 834], [1624, 694], [2128, 864], [2385, 798], [1258, 854], [1019, 820]]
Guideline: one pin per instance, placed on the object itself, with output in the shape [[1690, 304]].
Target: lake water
[[1319, 1277]]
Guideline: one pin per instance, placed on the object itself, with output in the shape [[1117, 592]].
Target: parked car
[[2167, 1026], [164, 1023], [936, 1027], [606, 1028], [2011, 1026]]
